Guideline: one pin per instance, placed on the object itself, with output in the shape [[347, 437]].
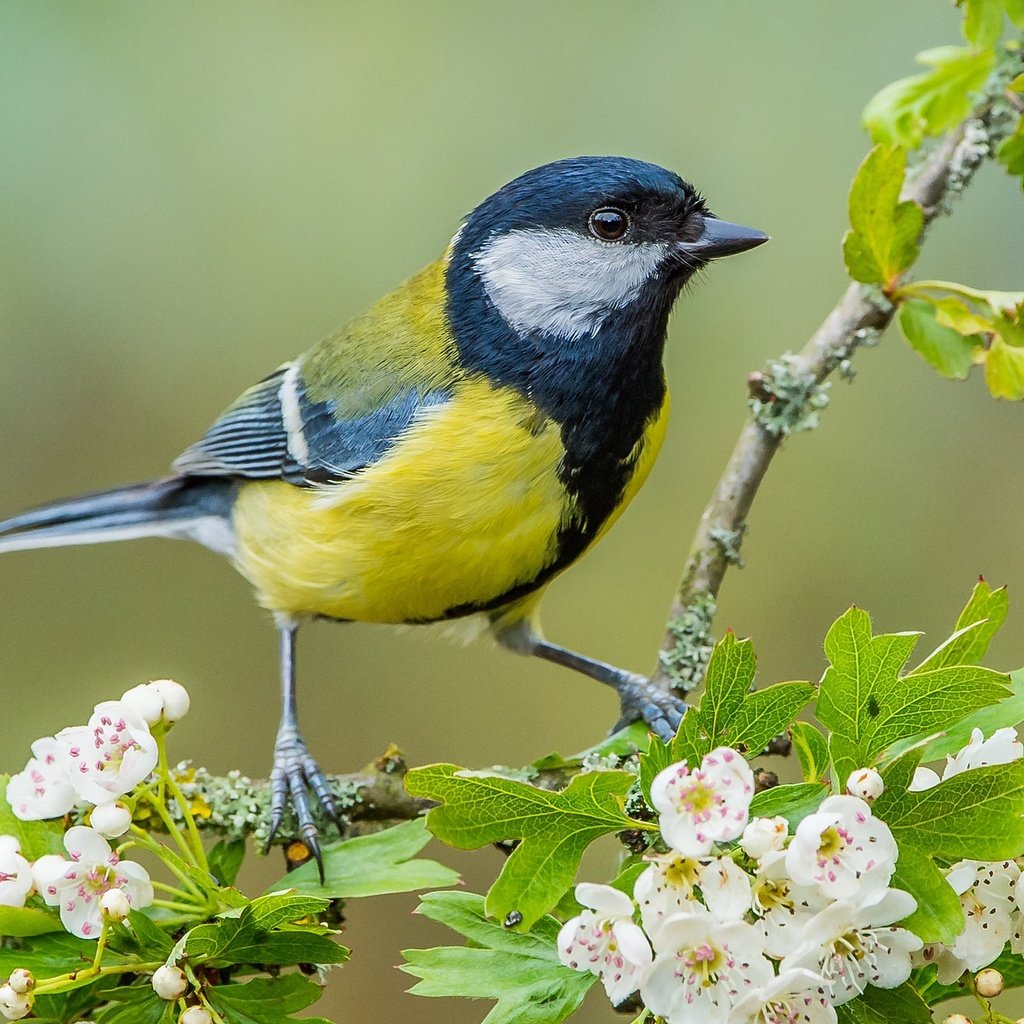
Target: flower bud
[[762, 835], [13, 1005], [21, 981], [145, 702], [865, 783], [175, 699], [988, 983], [111, 819], [115, 905], [957, 1018], [169, 983], [195, 1015]]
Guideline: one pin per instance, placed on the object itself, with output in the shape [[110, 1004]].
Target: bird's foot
[[294, 775], [642, 701]]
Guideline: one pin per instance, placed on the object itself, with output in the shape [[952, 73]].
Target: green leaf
[[868, 706], [944, 348], [656, 758], [904, 112], [277, 908], [1015, 9], [36, 838], [1011, 150], [52, 954], [371, 865], [521, 971], [225, 859], [882, 241], [634, 737], [153, 942], [555, 828], [235, 940], [939, 917], [1004, 370], [765, 714], [137, 1004], [980, 620], [265, 1000], [976, 815], [21, 922], [792, 802], [1006, 714], [983, 23], [729, 714], [812, 750], [886, 1006]]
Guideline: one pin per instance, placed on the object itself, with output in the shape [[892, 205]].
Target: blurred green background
[[191, 193]]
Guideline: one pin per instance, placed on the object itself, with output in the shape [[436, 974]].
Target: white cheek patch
[[561, 283]]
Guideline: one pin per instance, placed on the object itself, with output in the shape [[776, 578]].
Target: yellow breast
[[465, 507]]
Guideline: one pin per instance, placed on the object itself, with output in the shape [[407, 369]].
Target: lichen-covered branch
[[789, 394]]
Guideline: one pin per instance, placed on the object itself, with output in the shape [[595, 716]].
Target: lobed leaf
[[882, 240], [869, 706], [943, 347], [931, 103], [555, 828], [793, 802], [266, 1000], [886, 1006], [371, 865], [811, 748], [519, 970], [978, 623]]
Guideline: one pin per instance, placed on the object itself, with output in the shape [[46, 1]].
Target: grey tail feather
[[198, 508]]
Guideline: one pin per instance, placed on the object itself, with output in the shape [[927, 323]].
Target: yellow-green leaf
[[955, 313], [555, 828], [906, 111], [983, 22], [1004, 370], [945, 348], [882, 242]]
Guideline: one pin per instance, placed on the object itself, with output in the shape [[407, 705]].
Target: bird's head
[[562, 248]]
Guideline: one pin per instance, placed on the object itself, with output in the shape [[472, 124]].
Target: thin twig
[[859, 317]]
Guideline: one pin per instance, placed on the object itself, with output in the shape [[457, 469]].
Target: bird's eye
[[608, 224]]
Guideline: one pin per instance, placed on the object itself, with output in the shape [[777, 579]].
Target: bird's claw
[[294, 774], [642, 701]]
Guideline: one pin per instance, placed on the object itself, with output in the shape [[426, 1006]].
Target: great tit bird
[[453, 449]]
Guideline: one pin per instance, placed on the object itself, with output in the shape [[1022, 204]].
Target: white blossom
[[78, 884], [110, 756], [726, 889], [793, 997], [853, 945], [703, 968], [41, 789], [702, 806], [665, 887], [763, 836], [866, 784], [986, 892], [782, 907], [843, 849], [924, 778], [1001, 747], [604, 941], [15, 873]]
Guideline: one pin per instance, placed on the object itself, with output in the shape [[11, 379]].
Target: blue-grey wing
[[276, 431]]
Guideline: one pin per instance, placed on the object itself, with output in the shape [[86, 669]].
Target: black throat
[[602, 389]]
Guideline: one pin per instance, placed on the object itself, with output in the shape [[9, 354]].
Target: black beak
[[721, 238]]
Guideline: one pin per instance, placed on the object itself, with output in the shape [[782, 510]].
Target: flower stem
[[190, 822], [172, 828], [49, 986], [143, 841], [187, 908]]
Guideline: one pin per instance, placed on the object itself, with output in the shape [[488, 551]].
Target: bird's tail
[[198, 508]]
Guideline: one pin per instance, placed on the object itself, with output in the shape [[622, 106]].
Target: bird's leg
[[639, 698], [295, 772]]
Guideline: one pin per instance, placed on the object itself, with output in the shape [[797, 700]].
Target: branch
[[788, 396]]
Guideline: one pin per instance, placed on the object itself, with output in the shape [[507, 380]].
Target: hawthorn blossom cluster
[[90, 769], [738, 922]]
